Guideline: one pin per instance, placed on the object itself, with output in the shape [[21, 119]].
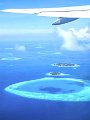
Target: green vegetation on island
[[55, 73], [65, 65]]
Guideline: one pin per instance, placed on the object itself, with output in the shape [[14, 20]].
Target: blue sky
[[40, 3], [22, 24]]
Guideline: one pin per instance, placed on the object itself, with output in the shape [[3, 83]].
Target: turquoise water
[[34, 63], [62, 89]]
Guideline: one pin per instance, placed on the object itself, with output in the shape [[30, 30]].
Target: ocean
[[31, 60]]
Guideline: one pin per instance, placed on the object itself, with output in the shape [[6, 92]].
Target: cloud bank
[[24, 31], [75, 40]]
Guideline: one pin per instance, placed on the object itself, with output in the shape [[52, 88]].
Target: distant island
[[56, 74], [10, 58], [65, 65]]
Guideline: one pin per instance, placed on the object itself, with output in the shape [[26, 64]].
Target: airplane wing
[[64, 14]]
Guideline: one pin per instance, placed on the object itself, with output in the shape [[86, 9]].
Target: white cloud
[[83, 33], [21, 48], [75, 40]]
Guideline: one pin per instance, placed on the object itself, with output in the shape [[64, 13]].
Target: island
[[65, 65], [56, 74], [10, 58]]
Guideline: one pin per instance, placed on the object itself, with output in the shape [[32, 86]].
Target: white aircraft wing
[[64, 14]]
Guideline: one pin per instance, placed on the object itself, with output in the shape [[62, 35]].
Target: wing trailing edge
[[64, 14]]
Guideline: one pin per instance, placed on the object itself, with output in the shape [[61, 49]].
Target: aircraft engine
[[63, 20]]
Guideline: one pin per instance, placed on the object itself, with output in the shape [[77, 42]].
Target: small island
[[65, 65], [10, 58], [56, 74]]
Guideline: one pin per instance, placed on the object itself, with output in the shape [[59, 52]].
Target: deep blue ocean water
[[35, 63]]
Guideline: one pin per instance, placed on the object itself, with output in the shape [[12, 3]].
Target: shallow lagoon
[[62, 89]]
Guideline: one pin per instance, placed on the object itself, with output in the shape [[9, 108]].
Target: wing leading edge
[[67, 14]]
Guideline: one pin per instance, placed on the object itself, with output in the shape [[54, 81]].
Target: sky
[[12, 24]]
